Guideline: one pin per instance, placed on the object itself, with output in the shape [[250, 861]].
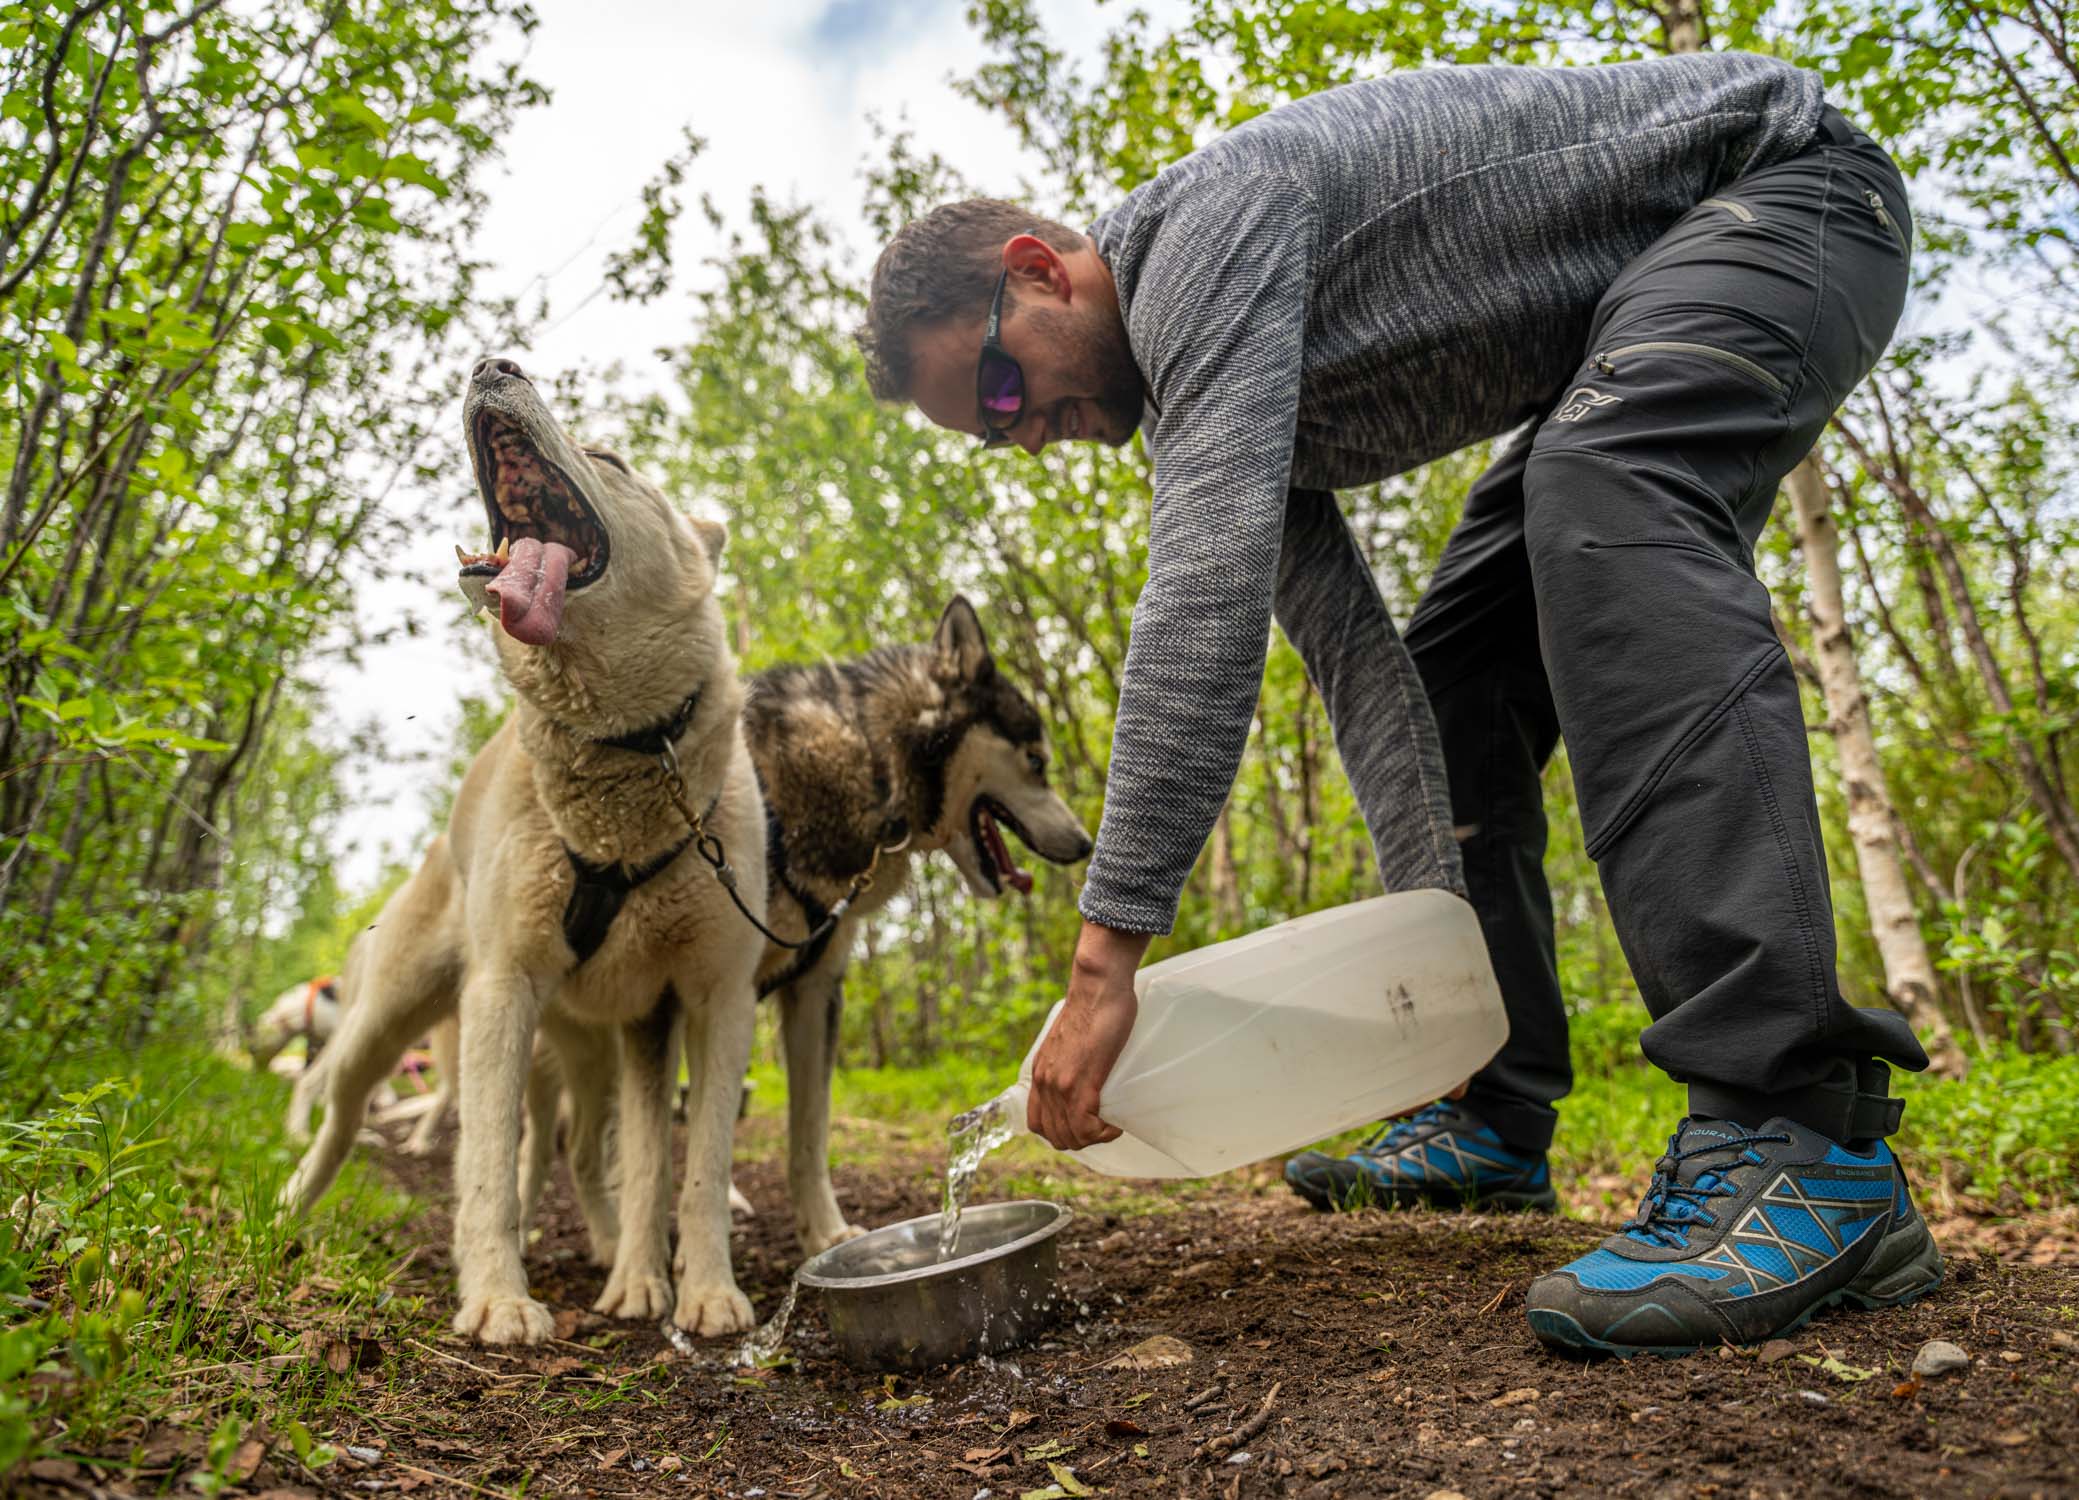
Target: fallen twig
[[1227, 1442], [1193, 1403], [1495, 1301], [468, 1486], [465, 1364]]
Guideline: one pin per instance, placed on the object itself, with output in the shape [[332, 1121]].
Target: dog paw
[[642, 1295], [504, 1320], [708, 1312], [815, 1242], [739, 1205]]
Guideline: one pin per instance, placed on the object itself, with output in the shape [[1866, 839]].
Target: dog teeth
[[505, 546]]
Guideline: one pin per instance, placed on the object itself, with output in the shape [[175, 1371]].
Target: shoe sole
[[1916, 1274], [1327, 1200]]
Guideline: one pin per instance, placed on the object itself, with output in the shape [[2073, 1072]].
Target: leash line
[[709, 847]]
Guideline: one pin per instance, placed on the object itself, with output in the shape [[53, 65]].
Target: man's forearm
[[1105, 954]]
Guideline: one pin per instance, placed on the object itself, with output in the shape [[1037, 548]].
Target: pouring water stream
[[969, 1139]]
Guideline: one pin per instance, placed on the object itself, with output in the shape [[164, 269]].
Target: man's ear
[[961, 650], [714, 536], [1037, 268]]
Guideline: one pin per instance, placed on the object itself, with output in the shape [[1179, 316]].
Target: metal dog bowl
[[892, 1304]]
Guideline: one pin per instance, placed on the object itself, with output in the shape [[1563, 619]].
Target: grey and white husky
[[911, 749]]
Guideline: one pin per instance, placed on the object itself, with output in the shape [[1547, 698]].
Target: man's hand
[[1087, 1038]]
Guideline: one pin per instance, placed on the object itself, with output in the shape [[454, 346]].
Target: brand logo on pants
[[1584, 400]]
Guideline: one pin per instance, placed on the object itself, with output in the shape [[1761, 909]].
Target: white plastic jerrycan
[[1258, 1046]]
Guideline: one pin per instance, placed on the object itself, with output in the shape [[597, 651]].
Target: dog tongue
[[529, 590], [999, 851]]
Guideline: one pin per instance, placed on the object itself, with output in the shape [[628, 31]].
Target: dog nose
[[491, 369], [1083, 848]]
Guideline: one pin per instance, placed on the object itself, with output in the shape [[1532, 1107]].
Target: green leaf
[[414, 171], [1066, 1478], [1833, 1366], [1052, 1448], [348, 107]]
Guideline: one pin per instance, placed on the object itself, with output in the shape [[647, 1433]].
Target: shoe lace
[[1672, 1205], [1392, 1133]]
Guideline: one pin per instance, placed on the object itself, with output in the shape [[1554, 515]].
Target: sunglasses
[[999, 383]]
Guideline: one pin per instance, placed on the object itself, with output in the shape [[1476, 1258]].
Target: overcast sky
[[782, 90]]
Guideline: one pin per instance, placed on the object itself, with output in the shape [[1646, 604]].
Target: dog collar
[[657, 738]]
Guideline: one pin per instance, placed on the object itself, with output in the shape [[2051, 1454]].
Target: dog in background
[[309, 1010], [913, 750]]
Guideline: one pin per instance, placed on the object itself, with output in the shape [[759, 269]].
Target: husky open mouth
[[546, 540], [997, 864]]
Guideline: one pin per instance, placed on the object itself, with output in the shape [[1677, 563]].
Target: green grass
[[146, 1268]]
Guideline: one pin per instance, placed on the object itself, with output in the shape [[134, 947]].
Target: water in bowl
[[969, 1139]]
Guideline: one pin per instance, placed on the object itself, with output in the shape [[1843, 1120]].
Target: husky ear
[[961, 648], [714, 536]]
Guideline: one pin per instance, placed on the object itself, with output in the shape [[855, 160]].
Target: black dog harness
[[597, 892]]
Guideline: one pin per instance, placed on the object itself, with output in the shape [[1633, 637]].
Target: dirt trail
[[1396, 1344]]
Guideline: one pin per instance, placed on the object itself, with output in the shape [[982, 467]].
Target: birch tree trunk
[[1909, 974], [1226, 875]]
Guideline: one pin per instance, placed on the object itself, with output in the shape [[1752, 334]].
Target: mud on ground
[[1390, 1350]]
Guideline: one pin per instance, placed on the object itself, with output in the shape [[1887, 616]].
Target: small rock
[[2011, 1356], [2067, 1341], [1815, 1398], [1777, 1350], [1157, 1353], [1239, 1458], [1526, 1424], [1444, 1495], [1940, 1357], [1521, 1396], [1112, 1244]]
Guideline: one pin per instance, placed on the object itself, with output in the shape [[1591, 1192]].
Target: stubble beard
[[1100, 361]]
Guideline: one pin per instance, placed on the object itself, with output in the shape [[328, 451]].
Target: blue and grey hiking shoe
[[1443, 1154], [1743, 1235]]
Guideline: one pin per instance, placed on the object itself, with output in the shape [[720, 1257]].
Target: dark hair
[[937, 268]]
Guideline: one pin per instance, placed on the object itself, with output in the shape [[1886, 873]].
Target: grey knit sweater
[[1336, 292]]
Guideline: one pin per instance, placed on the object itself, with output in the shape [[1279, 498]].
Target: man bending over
[[1660, 278]]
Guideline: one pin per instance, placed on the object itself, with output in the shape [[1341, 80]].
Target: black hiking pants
[[1601, 587]]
